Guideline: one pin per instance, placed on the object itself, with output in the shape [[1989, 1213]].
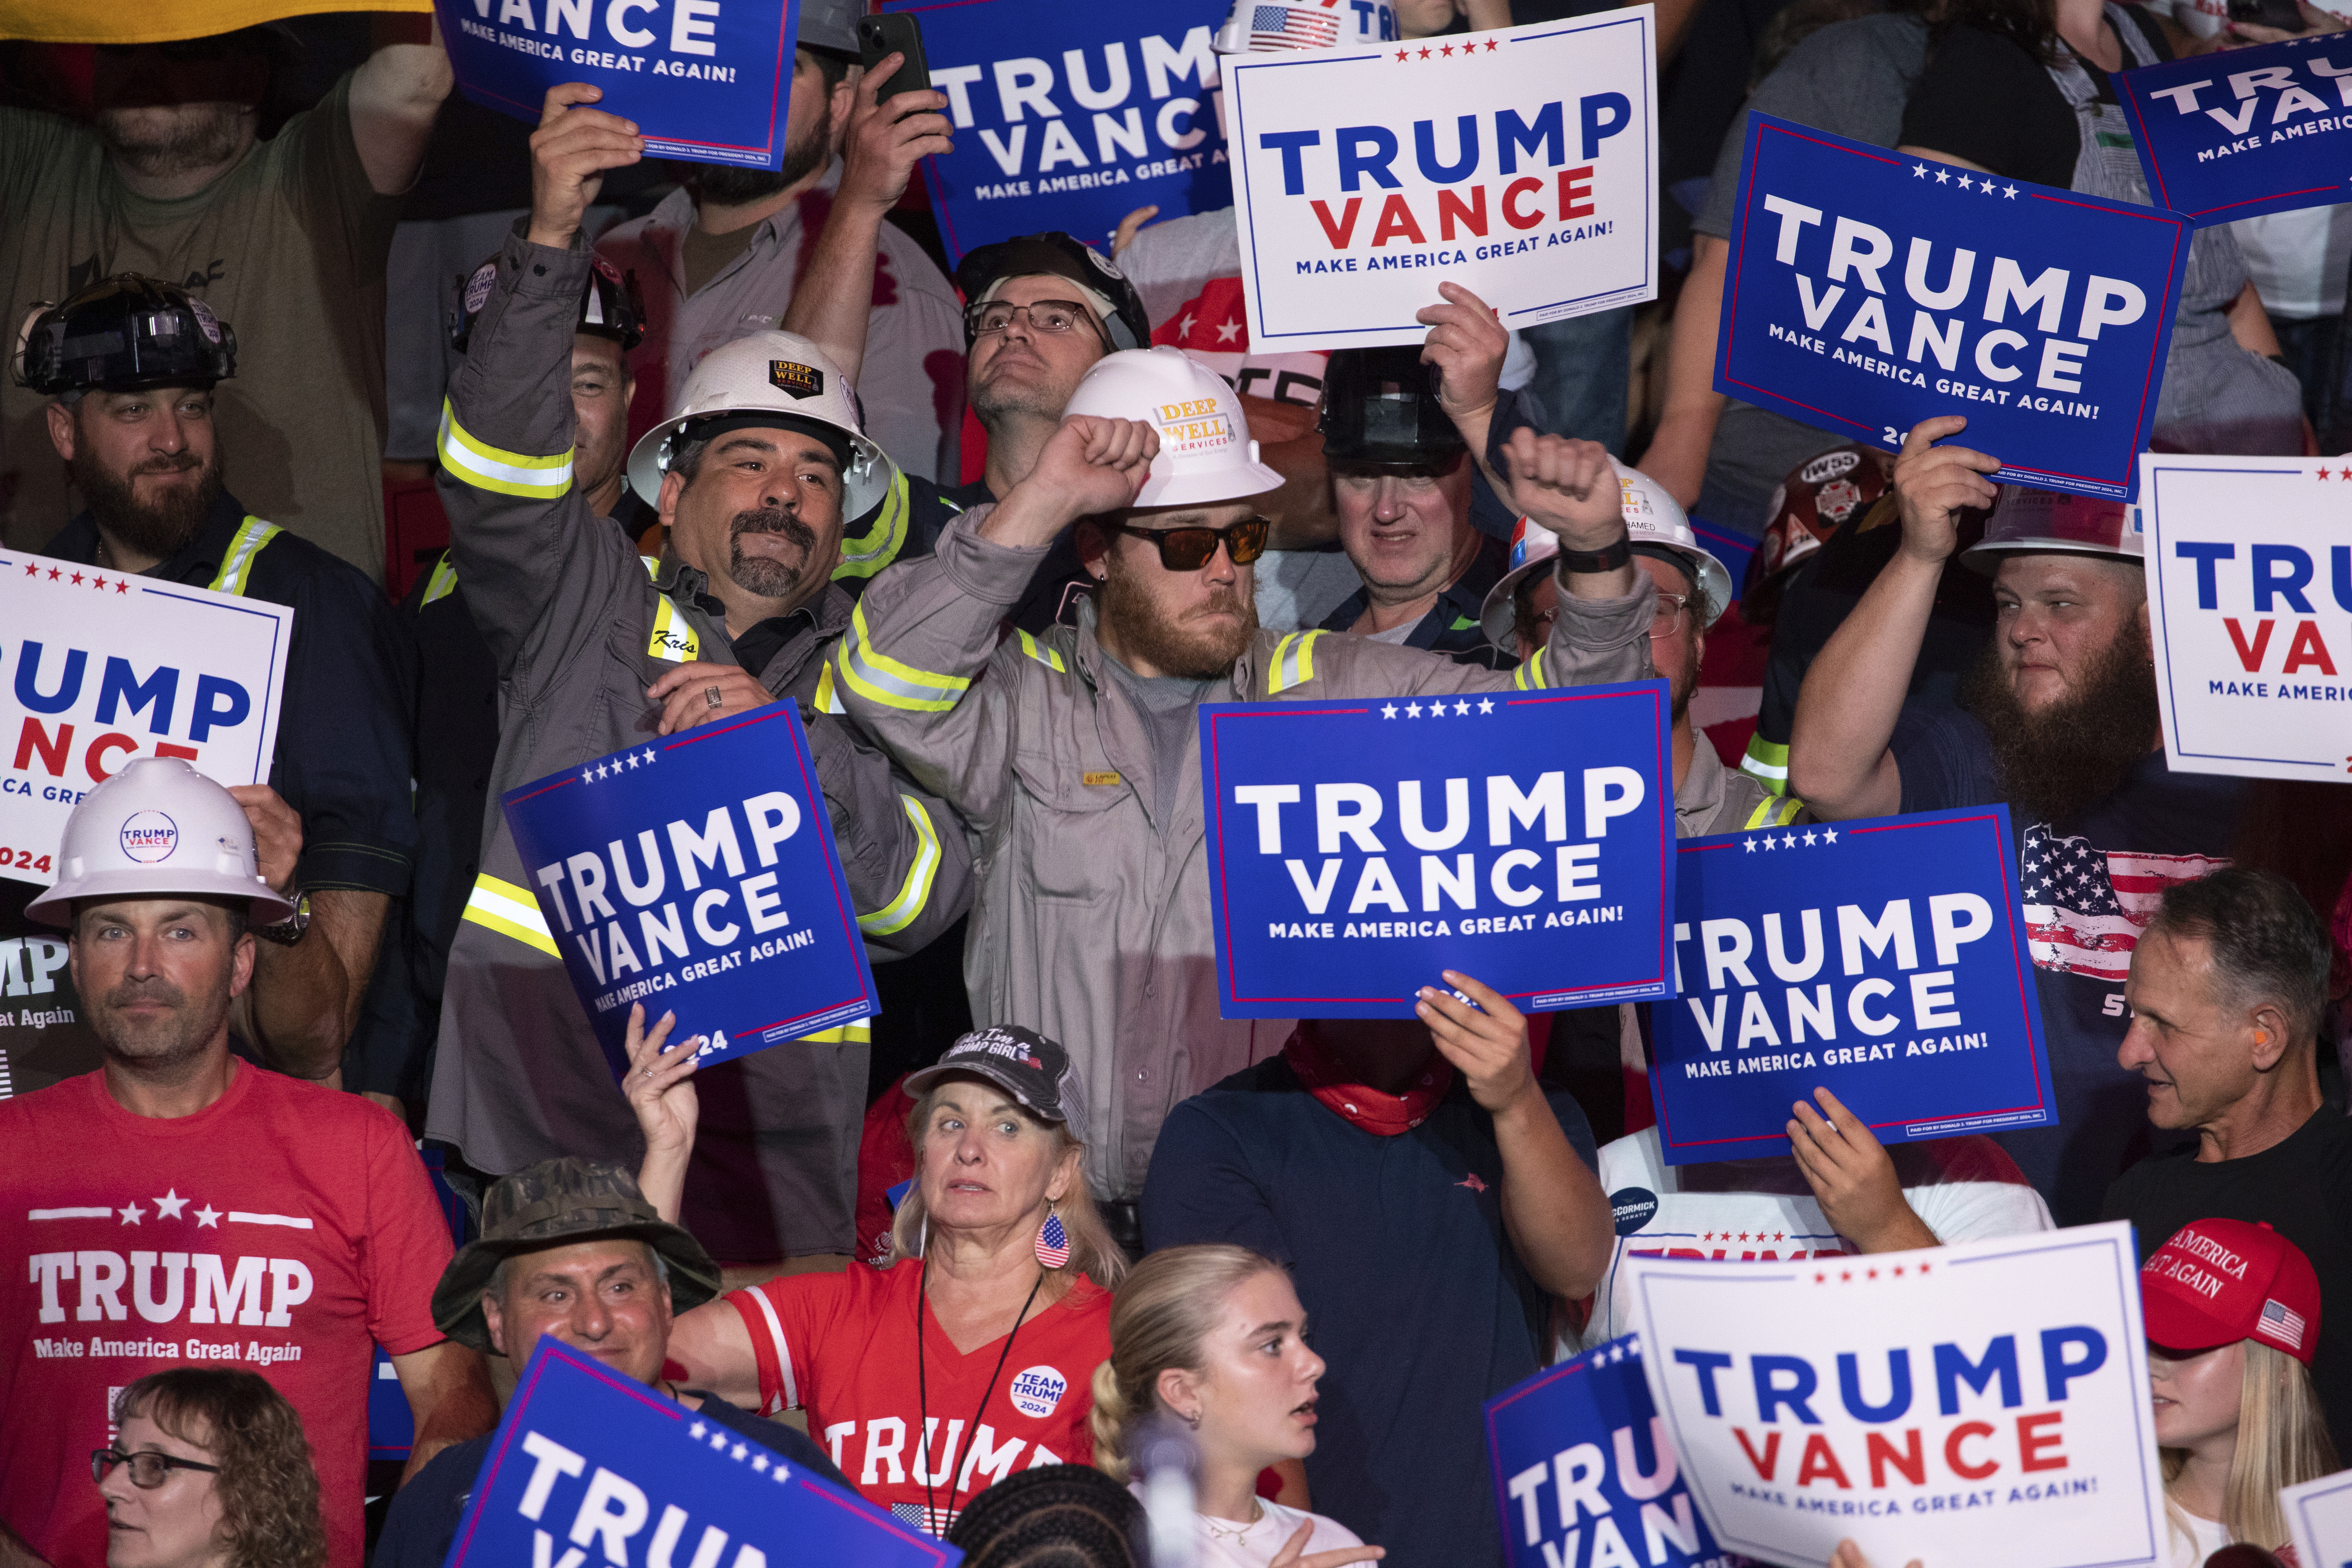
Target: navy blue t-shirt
[[2088, 886], [1413, 1296]]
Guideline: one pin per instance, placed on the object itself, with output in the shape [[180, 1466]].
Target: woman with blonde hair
[[966, 1357], [209, 1469], [1214, 1337], [2232, 1316]]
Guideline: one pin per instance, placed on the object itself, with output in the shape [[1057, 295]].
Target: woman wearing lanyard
[[970, 1355]]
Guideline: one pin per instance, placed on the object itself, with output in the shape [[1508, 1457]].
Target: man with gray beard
[[2058, 720], [753, 469], [288, 237]]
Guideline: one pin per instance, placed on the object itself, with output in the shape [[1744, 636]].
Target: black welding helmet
[[1104, 287], [1381, 414], [121, 333], [610, 307]]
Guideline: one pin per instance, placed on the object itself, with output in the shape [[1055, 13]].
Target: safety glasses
[[1190, 549]]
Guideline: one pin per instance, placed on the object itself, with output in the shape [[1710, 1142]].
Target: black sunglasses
[[149, 1469], [1188, 549]]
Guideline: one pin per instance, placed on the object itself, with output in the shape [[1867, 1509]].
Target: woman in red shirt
[[972, 1353]]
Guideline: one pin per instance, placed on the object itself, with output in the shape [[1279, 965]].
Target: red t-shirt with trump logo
[[285, 1229], [842, 1346]]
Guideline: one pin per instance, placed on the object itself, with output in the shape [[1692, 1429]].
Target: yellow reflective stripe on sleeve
[[511, 912], [1530, 676], [1767, 763], [487, 467], [1787, 813], [443, 578], [672, 639], [878, 678], [917, 893], [878, 546], [1293, 663], [236, 562], [828, 701], [847, 1034], [1774, 811], [1042, 654], [652, 563]]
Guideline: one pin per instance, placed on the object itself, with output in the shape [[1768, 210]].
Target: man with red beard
[[2058, 719], [1073, 754], [135, 427]]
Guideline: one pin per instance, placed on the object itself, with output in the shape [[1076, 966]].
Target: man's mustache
[[132, 993], [771, 520]]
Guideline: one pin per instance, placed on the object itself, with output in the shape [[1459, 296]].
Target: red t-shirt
[[284, 1229], [842, 1346]]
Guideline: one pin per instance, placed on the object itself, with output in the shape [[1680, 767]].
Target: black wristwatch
[[288, 931], [1585, 561]]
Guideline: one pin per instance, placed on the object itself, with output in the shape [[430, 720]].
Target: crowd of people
[[709, 440]]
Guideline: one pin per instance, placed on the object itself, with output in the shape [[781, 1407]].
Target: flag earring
[[1052, 1242]]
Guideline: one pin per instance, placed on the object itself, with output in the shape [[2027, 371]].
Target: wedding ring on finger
[[711, 695]]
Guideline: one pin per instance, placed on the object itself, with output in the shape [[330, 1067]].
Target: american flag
[[1292, 27], [930, 1521], [2085, 907], [1053, 1243], [2282, 1324]]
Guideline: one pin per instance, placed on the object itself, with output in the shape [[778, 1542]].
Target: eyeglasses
[[149, 1469], [1665, 624], [1052, 317], [1190, 549]]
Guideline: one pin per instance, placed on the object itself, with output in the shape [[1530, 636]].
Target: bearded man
[[2059, 720], [135, 425], [168, 179], [724, 255], [1073, 754]]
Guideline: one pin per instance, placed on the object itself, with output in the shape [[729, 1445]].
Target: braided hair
[[1055, 1516]]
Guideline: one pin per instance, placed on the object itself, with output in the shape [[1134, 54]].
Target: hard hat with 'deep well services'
[[768, 378], [1206, 455], [156, 828]]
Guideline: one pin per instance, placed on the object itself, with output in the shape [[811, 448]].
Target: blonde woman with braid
[[1215, 1337]]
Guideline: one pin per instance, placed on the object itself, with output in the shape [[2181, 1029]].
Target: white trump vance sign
[[1520, 163]]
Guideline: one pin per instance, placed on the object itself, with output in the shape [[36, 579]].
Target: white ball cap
[[769, 372], [1652, 517], [1205, 451], [2026, 520], [156, 828]]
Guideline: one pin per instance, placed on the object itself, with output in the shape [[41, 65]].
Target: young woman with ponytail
[[1214, 1337]]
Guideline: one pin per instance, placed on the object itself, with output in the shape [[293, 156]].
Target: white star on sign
[[650, 758], [1943, 177], [208, 1215], [1986, 187], [2010, 191], [1389, 712], [1437, 709], [1918, 171], [1768, 841], [134, 1214], [1462, 707], [718, 1441], [1487, 705], [1966, 183], [633, 759], [1789, 842], [760, 1463], [739, 1452], [697, 1430], [1810, 837], [1828, 836], [587, 775], [1412, 709], [168, 1206], [1750, 845], [780, 1472]]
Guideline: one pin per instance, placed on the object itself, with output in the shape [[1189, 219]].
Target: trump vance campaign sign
[[2249, 579], [2232, 136], [1359, 847], [1120, 111], [587, 1465], [1979, 1402], [1583, 1469], [96, 667], [1866, 291], [706, 81], [697, 874], [1519, 162], [1885, 959], [2319, 1518]]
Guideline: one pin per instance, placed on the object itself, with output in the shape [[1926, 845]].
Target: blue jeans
[[1583, 365]]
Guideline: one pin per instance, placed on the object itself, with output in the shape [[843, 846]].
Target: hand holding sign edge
[[1934, 483], [1853, 1178], [569, 154]]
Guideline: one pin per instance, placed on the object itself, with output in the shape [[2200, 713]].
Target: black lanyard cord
[[924, 1452]]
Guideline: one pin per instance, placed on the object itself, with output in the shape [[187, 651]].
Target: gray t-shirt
[[1165, 703]]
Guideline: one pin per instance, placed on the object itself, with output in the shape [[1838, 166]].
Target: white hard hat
[[1205, 451], [2026, 520], [780, 374], [1261, 26], [155, 828], [1656, 523]]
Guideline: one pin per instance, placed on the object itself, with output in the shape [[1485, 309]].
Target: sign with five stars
[[2262, 130], [1521, 163], [1578, 1450], [1357, 848], [1982, 1401], [591, 1466], [2249, 581], [697, 873], [1885, 958], [1866, 291], [96, 667], [1120, 110]]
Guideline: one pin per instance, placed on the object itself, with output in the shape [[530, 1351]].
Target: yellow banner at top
[[164, 21]]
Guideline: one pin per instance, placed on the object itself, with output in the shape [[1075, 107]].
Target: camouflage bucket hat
[[554, 1204]]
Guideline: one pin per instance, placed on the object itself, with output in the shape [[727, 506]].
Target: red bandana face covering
[[1376, 1112]]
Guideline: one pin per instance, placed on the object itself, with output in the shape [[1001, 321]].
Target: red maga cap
[[2220, 1280]]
